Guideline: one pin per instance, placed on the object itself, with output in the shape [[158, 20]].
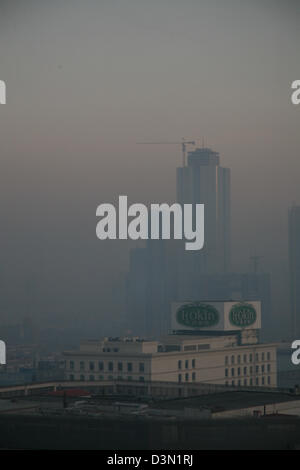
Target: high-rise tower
[[204, 181]]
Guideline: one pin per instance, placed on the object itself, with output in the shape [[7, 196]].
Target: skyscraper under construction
[[204, 181]]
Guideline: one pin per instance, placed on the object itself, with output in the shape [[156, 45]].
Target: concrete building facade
[[176, 358]]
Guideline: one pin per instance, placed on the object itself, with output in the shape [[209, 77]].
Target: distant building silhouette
[[204, 181], [294, 265], [163, 272]]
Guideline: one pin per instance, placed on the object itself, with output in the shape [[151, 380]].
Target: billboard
[[216, 316]]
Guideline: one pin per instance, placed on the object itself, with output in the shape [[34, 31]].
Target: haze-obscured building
[[294, 265], [212, 342], [163, 272], [204, 181]]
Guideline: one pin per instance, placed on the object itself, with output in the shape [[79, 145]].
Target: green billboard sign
[[242, 315], [197, 315]]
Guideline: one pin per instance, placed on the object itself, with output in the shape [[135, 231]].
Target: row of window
[[250, 382], [92, 378], [248, 358], [186, 377], [245, 382], [187, 364], [194, 347], [110, 366], [248, 370]]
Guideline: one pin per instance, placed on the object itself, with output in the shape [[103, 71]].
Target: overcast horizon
[[85, 83]]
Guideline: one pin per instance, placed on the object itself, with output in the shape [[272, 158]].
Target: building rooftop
[[231, 400], [203, 156]]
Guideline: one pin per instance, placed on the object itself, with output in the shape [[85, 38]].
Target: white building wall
[[238, 365]]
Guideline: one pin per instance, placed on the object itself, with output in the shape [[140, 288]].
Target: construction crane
[[183, 144]]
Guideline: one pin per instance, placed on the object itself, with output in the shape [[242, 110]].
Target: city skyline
[[150, 227], [77, 105]]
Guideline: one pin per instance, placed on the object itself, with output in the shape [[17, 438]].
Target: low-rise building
[[212, 343], [216, 360]]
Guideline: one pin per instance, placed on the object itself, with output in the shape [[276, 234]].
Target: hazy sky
[[88, 79]]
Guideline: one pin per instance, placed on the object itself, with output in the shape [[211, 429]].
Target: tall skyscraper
[[163, 272], [294, 265], [204, 181]]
